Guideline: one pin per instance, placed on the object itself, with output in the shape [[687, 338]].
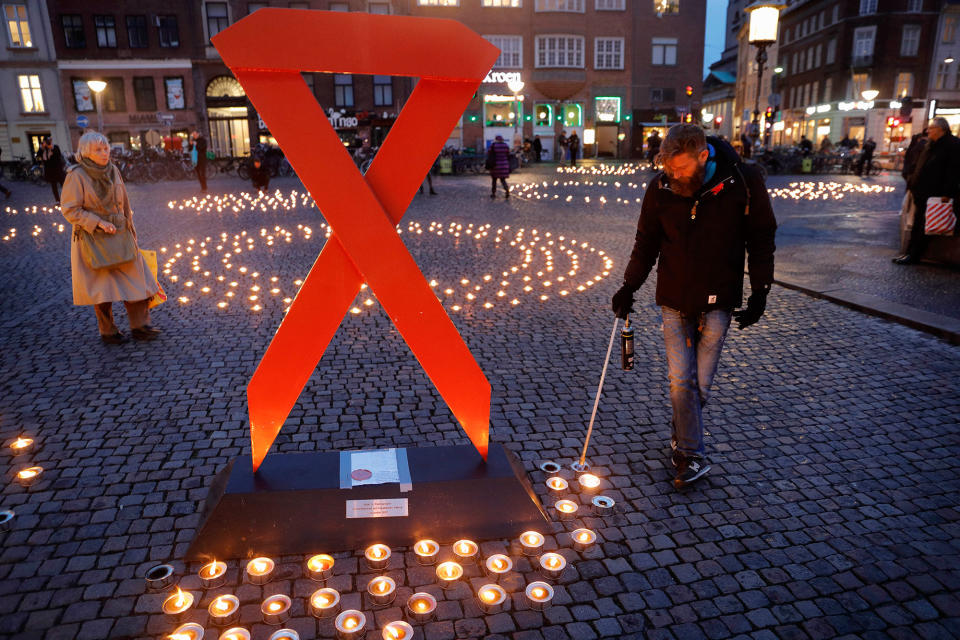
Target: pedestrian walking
[[200, 147], [826, 146], [574, 143], [498, 163], [866, 157], [259, 174], [653, 147], [562, 146], [937, 175], [699, 217], [537, 149], [6, 192], [806, 147], [53, 166], [105, 260]]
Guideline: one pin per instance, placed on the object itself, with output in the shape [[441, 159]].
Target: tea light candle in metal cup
[[466, 551], [276, 609], [159, 577], [382, 590], [350, 625], [557, 485], [224, 610], [603, 505], [588, 482], [284, 634], [549, 466], [449, 573], [567, 509], [6, 518], [397, 630], [260, 570], [552, 565], [21, 445], [320, 567], [213, 574], [498, 565], [583, 539], [188, 631], [491, 597], [421, 607], [532, 543], [29, 475], [235, 633], [325, 603], [178, 602], [539, 594], [426, 551], [378, 556]]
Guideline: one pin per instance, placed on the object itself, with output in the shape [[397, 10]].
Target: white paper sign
[[373, 467], [384, 508]]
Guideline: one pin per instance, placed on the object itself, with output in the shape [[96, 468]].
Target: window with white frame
[[863, 38], [608, 53], [502, 3], [915, 6], [106, 27], [18, 27], [664, 51], [827, 89], [575, 6], [910, 40], [559, 51], [867, 7], [217, 19], [438, 3], [511, 51], [343, 89], [904, 85], [940, 80], [382, 91], [832, 51], [949, 29], [31, 98], [610, 5], [858, 84], [661, 7], [379, 8]]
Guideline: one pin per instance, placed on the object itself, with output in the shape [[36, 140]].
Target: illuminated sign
[[498, 98], [339, 121], [498, 77]]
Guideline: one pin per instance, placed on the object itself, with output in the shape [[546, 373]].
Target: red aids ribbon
[[450, 61]]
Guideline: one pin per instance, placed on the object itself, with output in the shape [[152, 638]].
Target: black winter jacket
[[938, 170], [699, 242]]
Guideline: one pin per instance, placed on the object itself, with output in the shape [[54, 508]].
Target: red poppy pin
[[717, 189]]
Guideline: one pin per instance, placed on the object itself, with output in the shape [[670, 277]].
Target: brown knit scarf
[[103, 176]]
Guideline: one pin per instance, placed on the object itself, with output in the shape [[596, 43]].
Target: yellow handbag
[[151, 258]]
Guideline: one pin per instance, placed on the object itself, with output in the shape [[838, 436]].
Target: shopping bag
[[151, 258], [908, 210], [940, 219]]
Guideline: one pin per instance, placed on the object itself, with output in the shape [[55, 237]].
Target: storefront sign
[[849, 106], [340, 121], [500, 77]]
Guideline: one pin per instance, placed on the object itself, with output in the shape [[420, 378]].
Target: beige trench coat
[[80, 205]]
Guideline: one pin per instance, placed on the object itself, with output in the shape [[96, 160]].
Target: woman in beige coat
[[92, 191]]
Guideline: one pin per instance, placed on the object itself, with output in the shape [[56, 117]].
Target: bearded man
[[699, 217]]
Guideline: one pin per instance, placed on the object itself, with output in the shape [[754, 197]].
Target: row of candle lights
[[26, 476]]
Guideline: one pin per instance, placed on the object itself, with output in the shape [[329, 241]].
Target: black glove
[[623, 302], [756, 305]]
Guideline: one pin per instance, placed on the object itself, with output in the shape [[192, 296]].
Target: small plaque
[[385, 508]]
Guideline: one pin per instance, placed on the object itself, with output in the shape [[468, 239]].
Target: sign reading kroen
[[495, 77]]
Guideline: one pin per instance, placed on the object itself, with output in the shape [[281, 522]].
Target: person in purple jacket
[[498, 162]]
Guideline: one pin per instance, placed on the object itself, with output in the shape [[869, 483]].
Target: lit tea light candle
[[350, 625], [235, 633], [224, 610], [449, 573], [557, 485], [324, 603], [284, 634], [178, 602], [583, 539], [566, 508], [466, 550], [6, 518], [378, 556], [539, 594], [320, 567], [588, 482], [213, 574], [22, 445], [382, 590], [531, 542], [498, 565], [549, 467], [603, 505], [159, 577], [552, 565], [426, 551], [188, 631], [398, 630], [260, 570], [28, 476], [491, 598], [421, 607], [276, 609]]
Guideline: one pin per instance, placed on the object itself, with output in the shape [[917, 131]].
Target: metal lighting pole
[[763, 18], [97, 86]]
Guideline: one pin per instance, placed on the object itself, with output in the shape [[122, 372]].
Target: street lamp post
[[763, 18], [97, 86], [516, 86]]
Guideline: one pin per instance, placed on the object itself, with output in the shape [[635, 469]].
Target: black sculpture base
[[294, 504]]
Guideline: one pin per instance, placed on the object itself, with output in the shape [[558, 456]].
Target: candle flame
[[259, 566], [350, 622], [553, 562], [20, 443], [212, 569], [376, 552], [181, 636], [567, 506], [29, 473], [322, 600], [489, 595], [499, 564], [464, 548], [532, 539], [181, 599], [539, 592], [420, 605], [423, 547], [589, 480], [275, 606], [584, 537], [395, 632]]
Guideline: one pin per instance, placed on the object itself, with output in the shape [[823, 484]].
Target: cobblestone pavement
[[831, 510]]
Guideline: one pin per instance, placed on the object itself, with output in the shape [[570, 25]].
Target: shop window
[[543, 115], [574, 6], [664, 51], [145, 93], [113, 98], [610, 5], [572, 115], [217, 19], [500, 113], [73, 35], [511, 51], [106, 28], [382, 91], [175, 94], [168, 31], [560, 51], [31, 98], [666, 7], [607, 109], [137, 32], [18, 27], [608, 53], [910, 40], [343, 89]]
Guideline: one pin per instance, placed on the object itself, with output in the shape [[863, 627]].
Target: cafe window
[[343, 89], [543, 115], [168, 31], [145, 93], [137, 32], [607, 109], [106, 28], [18, 27], [73, 35]]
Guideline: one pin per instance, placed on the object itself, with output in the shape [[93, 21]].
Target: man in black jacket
[[53, 166], [698, 219]]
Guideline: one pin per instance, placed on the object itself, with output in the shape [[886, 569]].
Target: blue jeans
[[693, 345]]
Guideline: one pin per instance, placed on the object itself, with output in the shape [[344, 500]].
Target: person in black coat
[[259, 174], [53, 166], [912, 154], [537, 148], [200, 144], [700, 217], [574, 143], [937, 175]]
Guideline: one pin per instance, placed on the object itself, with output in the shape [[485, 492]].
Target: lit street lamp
[[97, 86], [869, 94], [516, 86], [762, 33]]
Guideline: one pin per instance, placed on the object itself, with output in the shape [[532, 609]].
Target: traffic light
[[688, 118], [893, 122], [769, 113], [717, 122], [689, 90]]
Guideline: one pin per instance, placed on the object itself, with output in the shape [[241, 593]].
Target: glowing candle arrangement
[[466, 551], [449, 573], [21, 445], [378, 556], [6, 517], [531, 543], [421, 607], [213, 574], [324, 603], [398, 630], [28, 476], [284, 634], [583, 539], [188, 631], [498, 565], [567, 509], [260, 570], [276, 609], [224, 610], [557, 485], [320, 567], [588, 482], [603, 505], [552, 565], [426, 551], [490, 598], [382, 590], [159, 577], [540, 594], [178, 602], [235, 633], [350, 625]]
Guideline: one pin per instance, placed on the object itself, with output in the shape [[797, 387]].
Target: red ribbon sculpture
[[450, 61]]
